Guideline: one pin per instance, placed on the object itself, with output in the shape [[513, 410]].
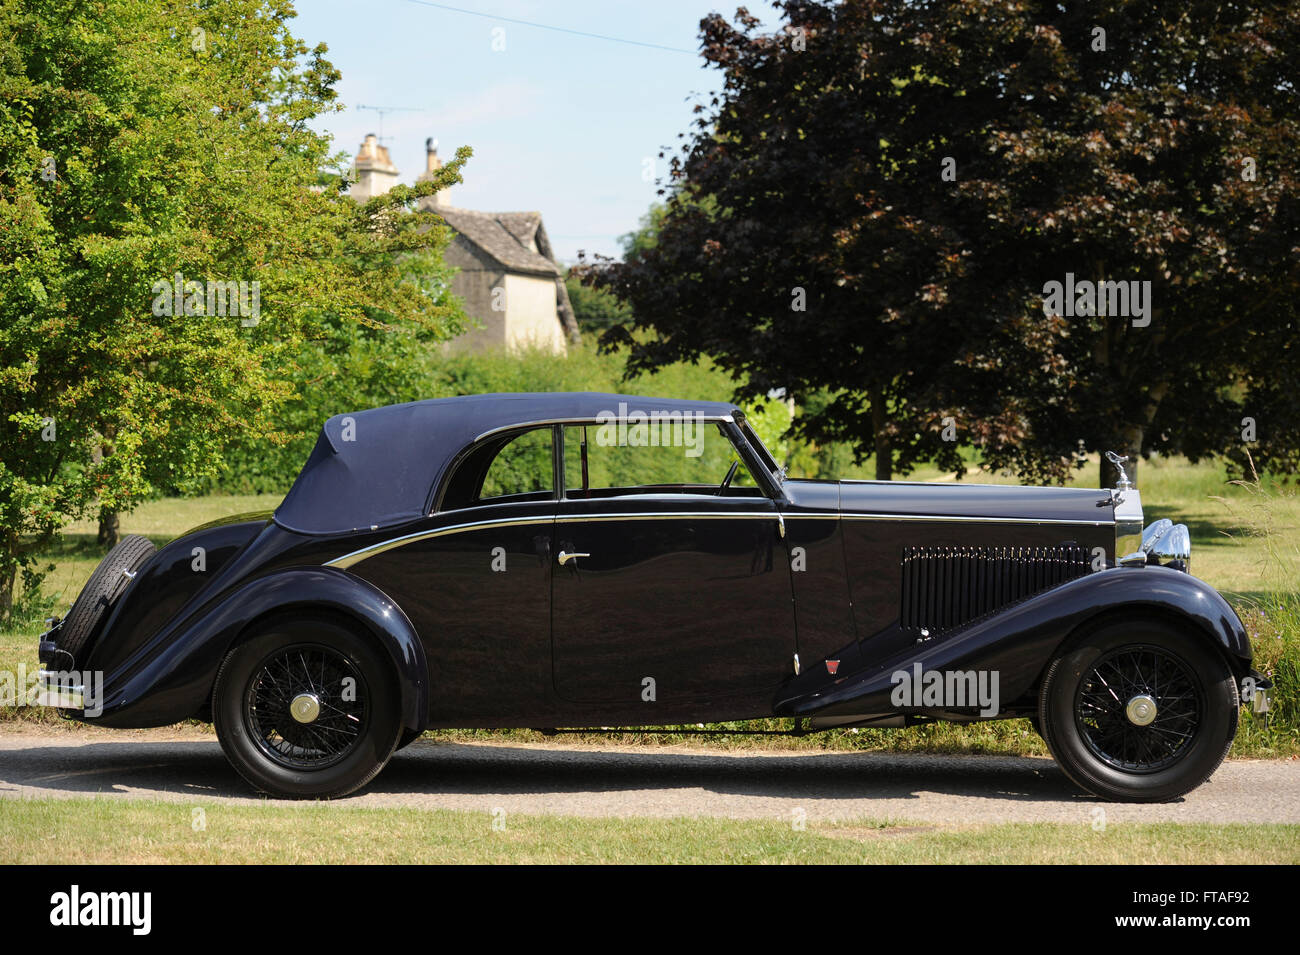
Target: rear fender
[[172, 675]]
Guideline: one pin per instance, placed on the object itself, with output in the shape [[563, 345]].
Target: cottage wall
[[530, 313]]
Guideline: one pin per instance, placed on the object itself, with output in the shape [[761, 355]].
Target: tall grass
[[1271, 616]]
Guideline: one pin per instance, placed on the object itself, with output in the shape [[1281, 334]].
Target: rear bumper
[[53, 691]]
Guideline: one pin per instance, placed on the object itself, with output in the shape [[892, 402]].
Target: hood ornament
[[1122, 483]]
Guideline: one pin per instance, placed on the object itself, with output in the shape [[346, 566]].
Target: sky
[[559, 123]]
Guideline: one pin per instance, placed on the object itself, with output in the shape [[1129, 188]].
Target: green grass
[[153, 832], [1245, 542]]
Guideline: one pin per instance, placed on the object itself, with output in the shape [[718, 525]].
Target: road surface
[[654, 780]]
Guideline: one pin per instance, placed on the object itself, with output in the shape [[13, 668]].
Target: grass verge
[[107, 832]]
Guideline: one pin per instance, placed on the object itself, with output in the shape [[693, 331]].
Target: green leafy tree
[[146, 144], [347, 366], [645, 235], [595, 310], [874, 205]]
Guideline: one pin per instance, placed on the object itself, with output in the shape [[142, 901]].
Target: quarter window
[[512, 467], [523, 467]]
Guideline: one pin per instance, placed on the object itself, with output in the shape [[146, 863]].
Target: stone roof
[[509, 237]]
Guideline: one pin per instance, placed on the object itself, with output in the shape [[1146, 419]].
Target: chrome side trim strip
[[356, 556], [953, 518], [781, 517], [668, 516], [996, 488], [942, 518]]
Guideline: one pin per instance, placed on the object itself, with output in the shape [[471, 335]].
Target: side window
[[654, 457], [522, 468]]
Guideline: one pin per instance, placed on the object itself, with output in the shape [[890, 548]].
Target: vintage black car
[[589, 560]]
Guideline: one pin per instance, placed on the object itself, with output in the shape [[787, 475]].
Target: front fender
[[171, 677], [1018, 642]]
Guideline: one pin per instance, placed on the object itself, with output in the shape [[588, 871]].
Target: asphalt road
[[646, 781]]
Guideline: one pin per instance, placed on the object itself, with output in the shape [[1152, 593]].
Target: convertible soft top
[[380, 467]]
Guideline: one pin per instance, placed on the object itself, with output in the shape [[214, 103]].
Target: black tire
[[330, 754], [106, 584], [1100, 690]]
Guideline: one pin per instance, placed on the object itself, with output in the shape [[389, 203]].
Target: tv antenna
[[382, 110]]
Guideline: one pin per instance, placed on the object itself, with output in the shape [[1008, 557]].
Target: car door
[[475, 579], [663, 589]]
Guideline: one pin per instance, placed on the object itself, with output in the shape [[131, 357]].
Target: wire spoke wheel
[[1138, 708], [307, 706]]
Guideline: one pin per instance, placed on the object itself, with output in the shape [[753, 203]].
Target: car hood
[[976, 501]]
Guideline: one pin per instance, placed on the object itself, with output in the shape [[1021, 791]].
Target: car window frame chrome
[[767, 482]]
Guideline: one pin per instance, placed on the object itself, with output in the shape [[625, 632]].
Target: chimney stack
[[374, 170], [432, 164]]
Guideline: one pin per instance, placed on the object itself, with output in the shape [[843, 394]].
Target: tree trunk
[[1117, 363], [1131, 437], [884, 450], [7, 581], [108, 519], [108, 528], [1109, 475]]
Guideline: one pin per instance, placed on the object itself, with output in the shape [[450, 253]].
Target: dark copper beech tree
[[1060, 226]]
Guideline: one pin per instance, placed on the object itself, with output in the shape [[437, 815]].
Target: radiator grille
[[945, 587]]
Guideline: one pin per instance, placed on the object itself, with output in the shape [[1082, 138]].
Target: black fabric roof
[[380, 467]]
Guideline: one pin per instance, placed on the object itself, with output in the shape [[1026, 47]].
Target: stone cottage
[[508, 277]]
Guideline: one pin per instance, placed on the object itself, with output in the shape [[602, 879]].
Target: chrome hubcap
[[305, 707], [1141, 710]]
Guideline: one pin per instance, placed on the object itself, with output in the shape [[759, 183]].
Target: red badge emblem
[[832, 666]]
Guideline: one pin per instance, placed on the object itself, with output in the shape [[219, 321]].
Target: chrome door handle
[[564, 557]]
